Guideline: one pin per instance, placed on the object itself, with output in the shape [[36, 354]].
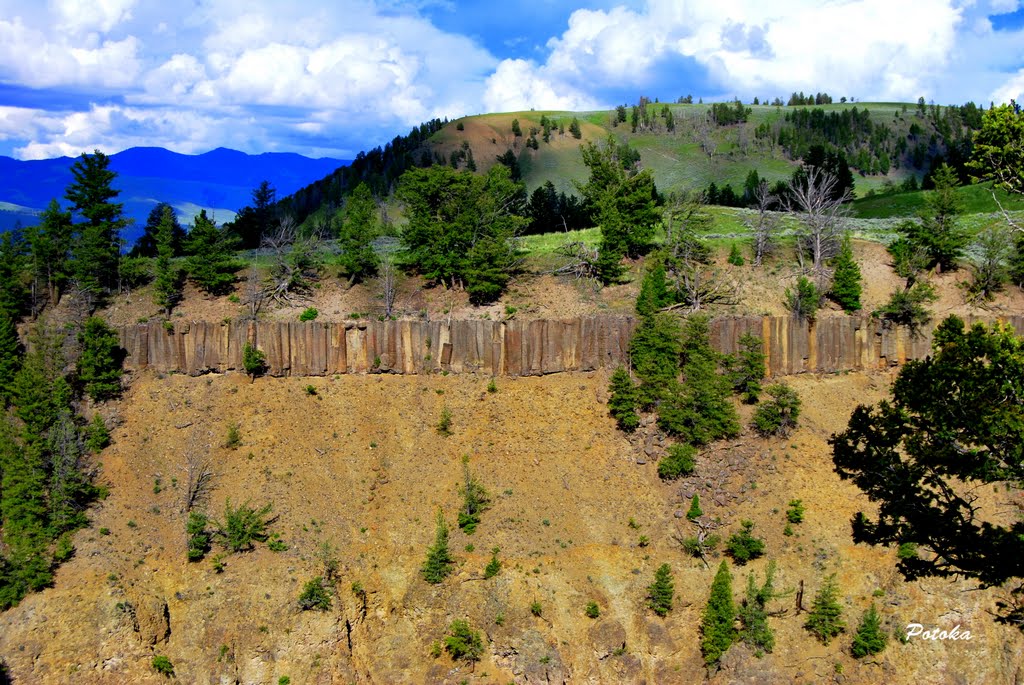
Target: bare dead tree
[[295, 261], [765, 227], [254, 293], [822, 221], [704, 134], [198, 473], [388, 284], [580, 260], [704, 542], [688, 263]]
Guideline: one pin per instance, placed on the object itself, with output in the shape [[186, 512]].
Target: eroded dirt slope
[[360, 465]]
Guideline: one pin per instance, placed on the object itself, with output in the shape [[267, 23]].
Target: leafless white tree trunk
[[821, 218], [389, 284], [766, 226]]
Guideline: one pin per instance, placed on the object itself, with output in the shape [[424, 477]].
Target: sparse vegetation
[[869, 638], [163, 666], [678, 461], [778, 415], [474, 499]]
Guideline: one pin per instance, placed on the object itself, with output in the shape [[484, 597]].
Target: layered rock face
[[505, 348]]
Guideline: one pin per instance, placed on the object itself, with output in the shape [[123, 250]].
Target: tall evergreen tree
[[654, 350], [937, 230], [50, 247], [718, 631], [622, 400], [148, 243], [753, 612], [167, 285], [99, 366], [10, 358], [846, 278], [97, 246], [211, 263], [359, 226], [12, 267]]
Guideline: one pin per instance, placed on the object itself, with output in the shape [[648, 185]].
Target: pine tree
[[653, 292], [661, 591], [99, 367], [12, 266], [69, 489], [825, 619], [753, 612], [50, 248], [937, 230], [147, 244], [870, 638], [574, 128], [10, 358], [356, 233], [439, 561], [97, 247], [718, 631], [694, 512], [167, 285], [846, 278], [622, 400], [474, 500], [211, 264], [655, 350], [747, 368]]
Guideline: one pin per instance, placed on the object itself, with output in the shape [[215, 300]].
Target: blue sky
[[332, 77]]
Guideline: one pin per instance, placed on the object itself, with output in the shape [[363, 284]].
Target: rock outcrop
[[505, 348]]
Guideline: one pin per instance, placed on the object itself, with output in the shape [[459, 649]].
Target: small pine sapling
[[742, 546], [661, 591], [439, 561], [825, 619], [869, 638], [694, 512]]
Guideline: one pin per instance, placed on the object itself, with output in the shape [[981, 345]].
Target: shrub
[[678, 461], [97, 437], [718, 630], [778, 416], [309, 314], [315, 596], [795, 513], [623, 400], [492, 386], [825, 619], [694, 512], [444, 424], [592, 610], [870, 638], [462, 642], [536, 609], [742, 546], [244, 525], [163, 666], [661, 591], [234, 438], [907, 307], [493, 567], [735, 258], [253, 361], [439, 561], [803, 302]]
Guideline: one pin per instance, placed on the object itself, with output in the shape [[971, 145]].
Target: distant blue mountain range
[[220, 181]]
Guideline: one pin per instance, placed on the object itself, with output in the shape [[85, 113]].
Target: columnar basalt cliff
[[507, 348]]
